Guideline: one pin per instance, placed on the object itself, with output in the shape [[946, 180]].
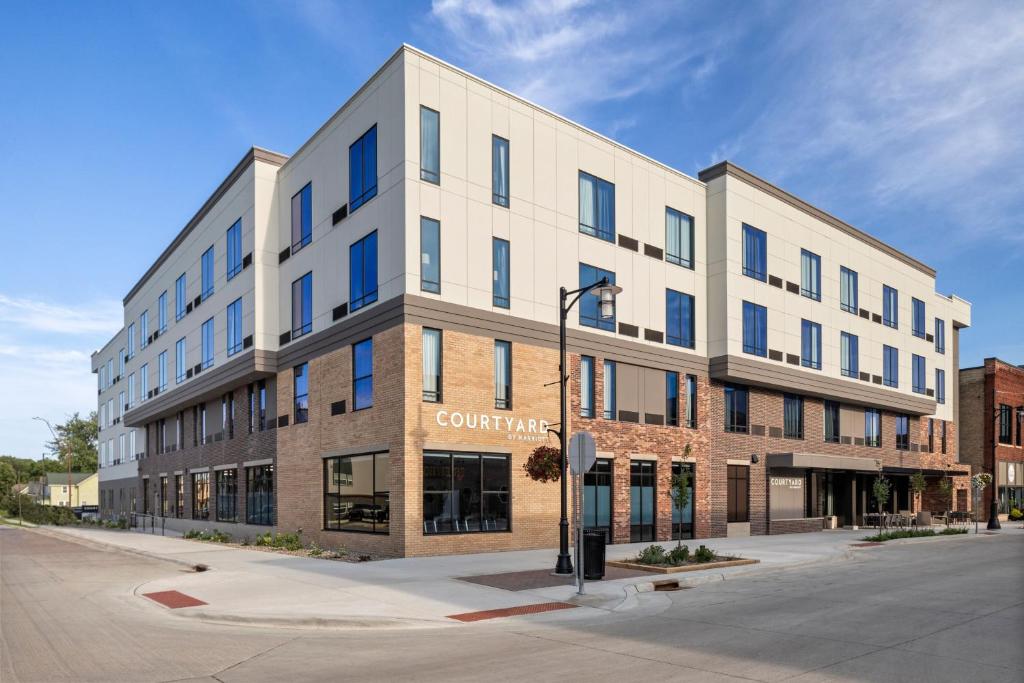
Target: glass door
[[739, 493], [682, 520], [641, 501], [597, 498]]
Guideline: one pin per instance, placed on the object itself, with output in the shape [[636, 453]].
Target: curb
[[55, 532], [312, 623], [921, 539]]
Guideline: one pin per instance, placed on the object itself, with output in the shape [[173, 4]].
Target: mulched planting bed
[[719, 563], [542, 578]]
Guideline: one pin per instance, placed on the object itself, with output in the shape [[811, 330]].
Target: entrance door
[[597, 498], [682, 520], [641, 501], [739, 493]]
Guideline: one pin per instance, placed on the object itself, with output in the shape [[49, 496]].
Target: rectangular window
[[1020, 424], [499, 171], [357, 493], [430, 145], [362, 374], [586, 386], [234, 249], [121, 357], [943, 437], [143, 381], [208, 343], [226, 482], [502, 374], [810, 275], [201, 495], [466, 493], [872, 427], [609, 390], [179, 495], [131, 341], [848, 290], [755, 253], [234, 327], [144, 329], [301, 392], [120, 409], [738, 493], [259, 495], [302, 217], [164, 503], [302, 305], [890, 306], [931, 435], [642, 494], [180, 298], [362, 278], [362, 169], [737, 400], [793, 416], [672, 399], [179, 361], [131, 390], [678, 238], [597, 207], [831, 422], [902, 432], [432, 365], [940, 335], [207, 272], [679, 318], [918, 374], [810, 344], [500, 266], [755, 329], [589, 304], [890, 366], [430, 255], [597, 496], [1005, 424], [691, 401], [257, 406], [161, 312], [917, 317], [161, 367], [849, 360]]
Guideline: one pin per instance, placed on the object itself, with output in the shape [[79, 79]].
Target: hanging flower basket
[[544, 464]]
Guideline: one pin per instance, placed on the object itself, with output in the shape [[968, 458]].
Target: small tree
[[917, 482], [946, 487], [978, 483], [680, 492], [881, 489]]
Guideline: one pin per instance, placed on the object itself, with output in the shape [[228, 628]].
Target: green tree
[[881, 488], [680, 492], [80, 436], [8, 478]]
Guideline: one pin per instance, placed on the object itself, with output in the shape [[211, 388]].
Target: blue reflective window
[[302, 305], [131, 341], [890, 366], [161, 370], [430, 145], [179, 361], [499, 171], [755, 329], [917, 318], [362, 169], [597, 207], [918, 370], [872, 427], [235, 327], [430, 255], [362, 374], [589, 303], [672, 399], [500, 264], [890, 306], [207, 263], [848, 354], [810, 275], [609, 390], [940, 335], [848, 290], [679, 318], [586, 386], [502, 374], [301, 393], [755, 253], [161, 312], [143, 329], [180, 298], [234, 249], [678, 238], [362, 274], [302, 217], [940, 386], [810, 344], [208, 343]]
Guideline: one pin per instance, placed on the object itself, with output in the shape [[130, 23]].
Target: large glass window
[[793, 416], [207, 272], [831, 422], [738, 493], [143, 329], [499, 171], [848, 354], [679, 318], [642, 476], [917, 317], [259, 495], [430, 255], [597, 497], [609, 390], [301, 396], [810, 344], [890, 366], [940, 335], [810, 275], [302, 305], [234, 249], [179, 495], [362, 374], [362, 279], [131, 341], [357, 493], [848, 289], [918, 378], [737, 400], [430, 145], [755, 329], [682, 520], [208, 343], [466, 493], [890, 306], [302, 217], [143, 382], [257, 406], [164, 503], [678, 238], [362, 169], [502, 374], [161, 312], [432, 365], [226, 482], [672, 399], [940, 386], [691, 401], [902, 432], [1005, 424], [179, 361], [161, 371], [589, 304], [500, 265], [872, 427], [755, 253], [586, 386], [200, 495], [597, 207], [180, 298], [234, 327]]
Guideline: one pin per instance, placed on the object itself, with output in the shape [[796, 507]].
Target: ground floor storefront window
[[163, 496], [597, 497], [179, 496], [357, 490], [259, 495], [1010, 498], [682, 520], [738, 498], [227, 495], [641, 500], [466, 493], [201, 495]]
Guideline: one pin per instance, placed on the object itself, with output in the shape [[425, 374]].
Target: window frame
[[873, 418], [233, 239], [507, 491], [220, 480], [809, 257], [161, 312], [500, 281], [208, 276], [691, 401], [587, 383], [196, 478], [890, 366], [890, 307], [328, 496], [940, 335], [208, 344], [1005, 435], [601, 233], [671, 398], [918, 374], [758, 237], [300, 401], [180, 364], [685, 304], [733, 394], [436, 395], [359, 191], [853, 276], [503, 400], [589, 300], [755, 341], [361, 379], [302, 288], [849, 364], [432, 176], [358, 250], [902, 430], [427, 285], [496, 197], [793, 431], [180, 297], [608, 407], [809, 328], [257, 475], [918, 317], [233, 327], [302, 218], [835, 408], [682, 219]]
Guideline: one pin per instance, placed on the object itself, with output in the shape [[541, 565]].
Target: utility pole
[[60, 451]]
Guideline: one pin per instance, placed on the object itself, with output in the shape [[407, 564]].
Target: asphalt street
[[946, 610]]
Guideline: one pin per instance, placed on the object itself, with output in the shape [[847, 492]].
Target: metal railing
[[142, 521]]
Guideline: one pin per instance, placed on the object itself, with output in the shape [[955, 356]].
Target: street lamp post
[[606, 292], [60, 449]]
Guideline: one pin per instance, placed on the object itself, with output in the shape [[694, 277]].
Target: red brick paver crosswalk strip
[[174, 599], [511, 611]]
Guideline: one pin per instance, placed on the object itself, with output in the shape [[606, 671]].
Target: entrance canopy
[[818, 461]]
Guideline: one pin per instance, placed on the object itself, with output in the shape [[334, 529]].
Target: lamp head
[[606, 297]]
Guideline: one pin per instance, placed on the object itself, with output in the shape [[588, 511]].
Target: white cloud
[[33, 315]]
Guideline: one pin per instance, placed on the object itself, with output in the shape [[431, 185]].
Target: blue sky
[[119, 118]]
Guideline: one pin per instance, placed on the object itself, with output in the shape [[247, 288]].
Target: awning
[[926, 472], [818, 461]]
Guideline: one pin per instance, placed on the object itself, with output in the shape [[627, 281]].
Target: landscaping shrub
[[704, 554], [656, 555], [287, 541], [215, 536], [679, 555], [1016, 515], [35, 513], [652, 554], [913, 533]]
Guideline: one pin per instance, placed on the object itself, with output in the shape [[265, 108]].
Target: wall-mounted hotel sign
[[515, 429]]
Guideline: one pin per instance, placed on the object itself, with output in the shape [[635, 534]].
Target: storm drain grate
[[511, 611], [174, 599], [663, 586]]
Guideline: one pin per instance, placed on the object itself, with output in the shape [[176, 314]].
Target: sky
[[119, 119]]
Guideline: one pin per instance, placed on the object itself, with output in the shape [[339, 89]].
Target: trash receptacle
[[593, 554]]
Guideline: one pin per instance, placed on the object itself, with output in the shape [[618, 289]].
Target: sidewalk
[[264, 588]]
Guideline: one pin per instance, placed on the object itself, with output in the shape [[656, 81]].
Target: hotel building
[[361, 340]]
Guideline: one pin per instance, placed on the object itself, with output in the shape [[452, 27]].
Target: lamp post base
[[993, 516], [564, 564]]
